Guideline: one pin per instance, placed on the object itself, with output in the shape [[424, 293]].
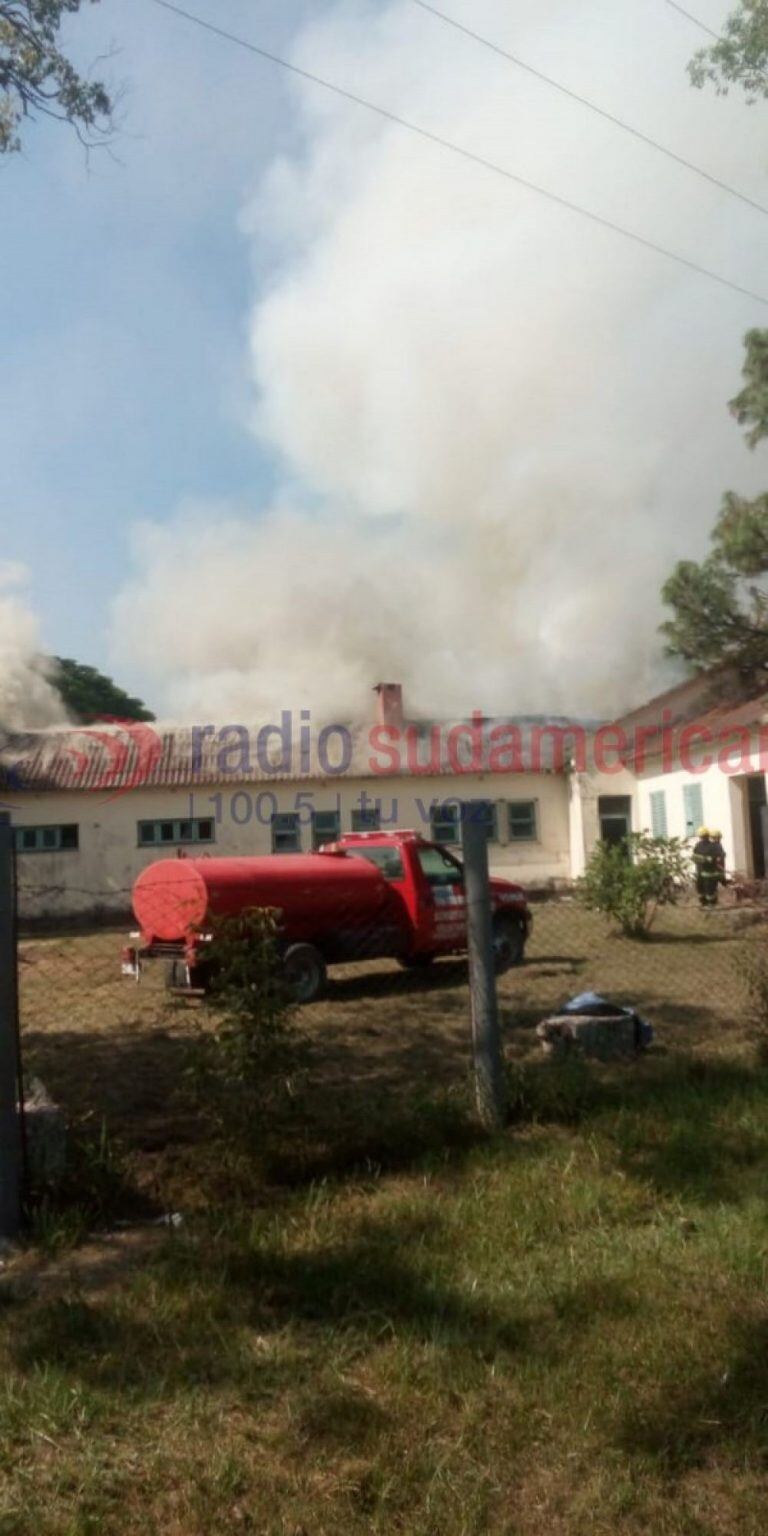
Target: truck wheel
[[508, 943], [304, 971], [415, 962]]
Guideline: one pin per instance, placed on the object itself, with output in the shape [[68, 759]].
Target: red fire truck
[[369, 895]]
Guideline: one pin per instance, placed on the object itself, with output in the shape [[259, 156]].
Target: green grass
[[400, 1326]]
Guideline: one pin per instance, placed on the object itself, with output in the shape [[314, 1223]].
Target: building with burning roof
[[92, 806]]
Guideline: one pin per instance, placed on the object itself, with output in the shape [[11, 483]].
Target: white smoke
[[27, 698], [500, 424]]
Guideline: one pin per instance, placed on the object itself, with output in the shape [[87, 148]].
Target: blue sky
[[124, 290]]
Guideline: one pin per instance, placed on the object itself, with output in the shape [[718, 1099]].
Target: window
[[192, 829], [485, 812], [326, 827], [445, 822], [388, 860], [693, 808], [46, 839], [286, 832], [658, 801], [445, 819], [521, 820], [366, 818], [440, 868]]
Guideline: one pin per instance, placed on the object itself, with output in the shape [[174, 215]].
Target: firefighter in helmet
[[717, 839], [705, 864]]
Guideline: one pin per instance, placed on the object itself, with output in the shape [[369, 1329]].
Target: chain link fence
[[387, 1049]]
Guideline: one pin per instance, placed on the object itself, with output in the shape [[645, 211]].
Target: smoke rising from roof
[[499, 424], [27, 697]]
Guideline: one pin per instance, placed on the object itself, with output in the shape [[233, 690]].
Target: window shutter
[[693, 808], [659, 813]]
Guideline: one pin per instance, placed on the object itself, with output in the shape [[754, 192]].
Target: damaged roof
[[124, 756]]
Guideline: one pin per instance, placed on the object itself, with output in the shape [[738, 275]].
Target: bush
[[248, 1050], [629, 881]]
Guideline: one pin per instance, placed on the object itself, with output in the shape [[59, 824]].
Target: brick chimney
[[389, 704]]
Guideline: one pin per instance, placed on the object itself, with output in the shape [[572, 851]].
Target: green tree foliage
[[88, 695], [249, 1049], [720, 605], [740, 54], [629, 881], [750, 406], [35, 77]]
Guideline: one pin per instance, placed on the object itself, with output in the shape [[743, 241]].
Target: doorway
[[757, 823], [615, 816]]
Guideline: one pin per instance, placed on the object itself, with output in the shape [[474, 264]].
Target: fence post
[[10, 1113], [486, 1038]]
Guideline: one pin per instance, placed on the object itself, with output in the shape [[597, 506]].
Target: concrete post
[[486, 1038], [10, 1113]]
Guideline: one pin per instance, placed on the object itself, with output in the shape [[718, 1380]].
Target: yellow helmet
[[703, 832]]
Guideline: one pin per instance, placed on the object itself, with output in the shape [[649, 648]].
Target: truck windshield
[[439, 868], [388, 860]]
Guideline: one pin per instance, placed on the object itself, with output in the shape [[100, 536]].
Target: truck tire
[[415, 962], [304, 971], [508, 943]]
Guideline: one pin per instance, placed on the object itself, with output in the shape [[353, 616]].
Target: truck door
[[443, 924], [392, 932]]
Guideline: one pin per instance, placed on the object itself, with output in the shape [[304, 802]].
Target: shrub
[[248, 1050], [629, 881]]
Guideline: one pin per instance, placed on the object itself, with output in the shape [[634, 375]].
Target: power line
[[465, 154], [695, 20], [591, 106]]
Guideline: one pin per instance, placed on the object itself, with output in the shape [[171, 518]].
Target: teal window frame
[[330, 832], [286, 832], [522, 821], [366, 818], [445, 822], [173, 831], [487, 812], [59, 838]]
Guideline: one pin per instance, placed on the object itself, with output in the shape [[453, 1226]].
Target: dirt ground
[[116, 1053]]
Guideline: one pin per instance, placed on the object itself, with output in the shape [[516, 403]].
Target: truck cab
[[426, 882]]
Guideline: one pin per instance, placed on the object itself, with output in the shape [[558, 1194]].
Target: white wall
[[724, 808], [98, 877]]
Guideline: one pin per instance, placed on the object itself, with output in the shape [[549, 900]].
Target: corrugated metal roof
[[117, 758]]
